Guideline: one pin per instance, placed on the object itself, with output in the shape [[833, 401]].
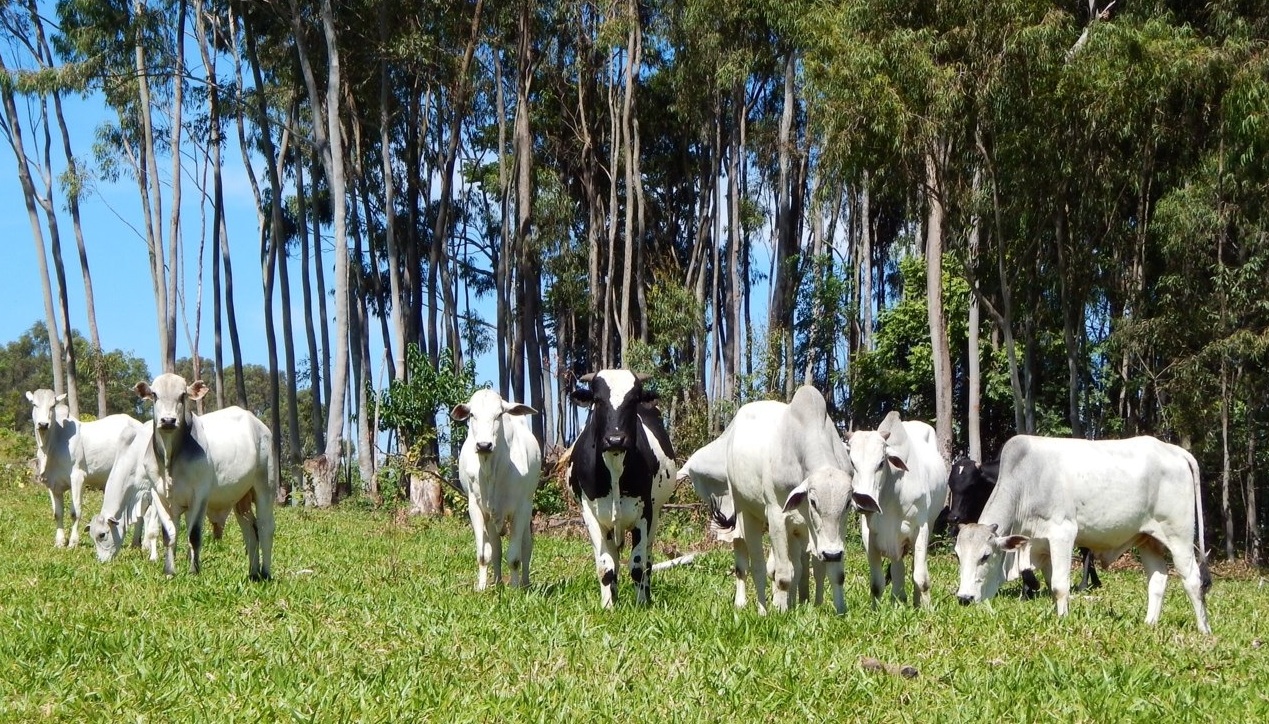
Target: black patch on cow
[[735, 571], [636, 574], [609, 577], [970, 485], [839, 578]]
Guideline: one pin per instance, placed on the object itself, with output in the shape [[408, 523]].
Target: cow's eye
[[984, 558], [814, 505]]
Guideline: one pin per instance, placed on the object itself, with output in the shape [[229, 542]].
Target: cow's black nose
[[615, 442], [832, 556], [965, 600], [167, 422], [42, 425], [484, 447]]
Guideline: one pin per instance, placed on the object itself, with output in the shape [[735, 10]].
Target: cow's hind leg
[[520, 550], [264, 497], [1190, 572], [746, 546], [170, 520], [251, 540]]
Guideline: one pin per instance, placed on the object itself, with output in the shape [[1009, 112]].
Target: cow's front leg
[[59, 536], [1055, 555], [920, 567], [605, 545], [783, 572], [484, 551], [77, 504], [876, 574], [1156, 579]]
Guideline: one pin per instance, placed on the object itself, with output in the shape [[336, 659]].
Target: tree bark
[[942, 358]]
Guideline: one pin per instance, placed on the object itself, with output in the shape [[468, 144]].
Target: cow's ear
[[865, 502], [518, 409], [197, 390], [87, 526], [897, 461], [114, 522], [143, 390], [1012, 542], [60, 398], [796, 497], [648, 395], [582, 397], [885, 434], [460, 413], [30, 397]]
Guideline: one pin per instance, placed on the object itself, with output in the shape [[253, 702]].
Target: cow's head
[[981, 552], [613, 397], [106, 535], [970, 489], [877, 456], [483, 415], [824, 499], [172, 398], [44, 414]]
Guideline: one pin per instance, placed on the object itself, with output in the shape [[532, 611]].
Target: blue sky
[[117, 256]]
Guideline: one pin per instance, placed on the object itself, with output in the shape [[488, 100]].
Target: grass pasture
[[371, 617]]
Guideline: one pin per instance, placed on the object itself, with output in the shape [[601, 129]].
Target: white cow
[[129, 501], [901, 485], [71, 454], [499, 467], [1107, 495], [789, 474], [210, 464]]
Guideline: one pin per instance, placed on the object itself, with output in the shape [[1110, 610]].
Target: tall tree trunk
[[314, 366], [397, 344], [326, 129], [45, 57], [785, 271], [1070, 314], [530, 285], [152, 198], [175, 256], [942, 358], [218, 199], [973, 421]]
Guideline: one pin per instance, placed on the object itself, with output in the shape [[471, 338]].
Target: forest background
[[1007, 217]]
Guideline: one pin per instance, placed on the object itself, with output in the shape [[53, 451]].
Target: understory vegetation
[[371, 616]]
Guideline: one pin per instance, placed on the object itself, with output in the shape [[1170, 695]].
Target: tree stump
[[425, 491]]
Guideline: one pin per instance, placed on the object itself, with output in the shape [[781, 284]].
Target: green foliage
[[384, 626], [410, 409]]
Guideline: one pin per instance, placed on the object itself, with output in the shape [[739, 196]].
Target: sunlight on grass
[[370, 618]]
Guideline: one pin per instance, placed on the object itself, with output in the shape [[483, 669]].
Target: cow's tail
[[1205, 572]]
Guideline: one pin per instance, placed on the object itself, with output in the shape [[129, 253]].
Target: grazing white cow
[[71, 454], [209, 465], [128, 502], [901, 485], [1107, 495], [789, 474], [499, 467]]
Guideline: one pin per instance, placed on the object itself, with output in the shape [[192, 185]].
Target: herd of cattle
[[779, 468]]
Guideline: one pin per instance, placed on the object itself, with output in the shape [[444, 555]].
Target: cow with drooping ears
[[206, 465], [622, 471], [499, 468]]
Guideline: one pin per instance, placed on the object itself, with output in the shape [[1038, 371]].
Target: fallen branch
[[682, 560]]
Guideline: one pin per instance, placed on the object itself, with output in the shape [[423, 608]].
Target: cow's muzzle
[[484, 448], [831, 556], [965, 600], [41, 426], [615, 443], [167, 423]]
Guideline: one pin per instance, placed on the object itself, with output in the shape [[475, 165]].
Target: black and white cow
[[622, 471], [970, 485]]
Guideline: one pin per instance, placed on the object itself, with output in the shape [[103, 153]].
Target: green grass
[[371, 617]]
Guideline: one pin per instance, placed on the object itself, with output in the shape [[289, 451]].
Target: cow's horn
[[586, 378]]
